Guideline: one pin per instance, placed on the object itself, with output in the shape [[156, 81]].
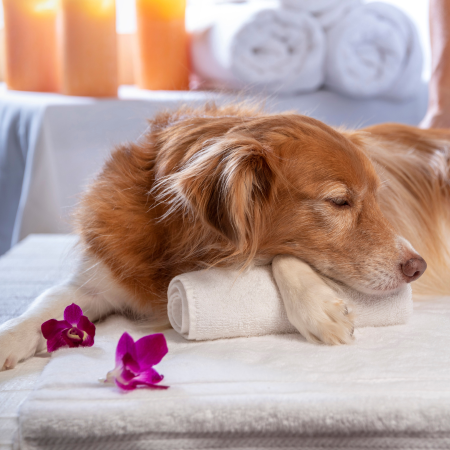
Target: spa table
[[388, 390], [52, 145]]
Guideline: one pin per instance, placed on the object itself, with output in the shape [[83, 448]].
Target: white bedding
[[391, 389]]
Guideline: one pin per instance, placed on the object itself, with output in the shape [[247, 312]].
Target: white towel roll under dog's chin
[[223, 303], [259, 45]]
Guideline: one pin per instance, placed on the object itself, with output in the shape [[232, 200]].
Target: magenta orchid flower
[[135, 361], [75, 330]]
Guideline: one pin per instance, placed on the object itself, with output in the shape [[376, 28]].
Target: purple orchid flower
[[135, 361], [75, 330]]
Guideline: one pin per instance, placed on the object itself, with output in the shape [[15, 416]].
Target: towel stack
[[290, 46]]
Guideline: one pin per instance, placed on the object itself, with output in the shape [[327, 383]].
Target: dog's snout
[[414, 268]]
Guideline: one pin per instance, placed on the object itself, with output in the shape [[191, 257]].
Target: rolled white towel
[[327, 12], [259, 45], [312, 6], [374, 51], [223, 303]]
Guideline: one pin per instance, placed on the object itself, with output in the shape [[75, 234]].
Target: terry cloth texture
[[260, 45], [391, 389], [222, 303], [37, 263], [374, 50], [327, 12]]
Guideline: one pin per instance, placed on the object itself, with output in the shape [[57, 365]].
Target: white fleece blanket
[[259, 45], [374, 50], [391, 389], [223, 303]]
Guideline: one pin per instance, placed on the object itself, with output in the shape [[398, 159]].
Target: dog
[[233, 187]]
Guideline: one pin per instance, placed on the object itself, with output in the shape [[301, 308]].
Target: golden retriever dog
[[233, 186]]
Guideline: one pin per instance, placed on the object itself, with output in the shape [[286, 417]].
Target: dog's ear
[[228, 184]]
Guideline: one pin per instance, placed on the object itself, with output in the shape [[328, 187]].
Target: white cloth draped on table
[[374, 51], [260, 45]]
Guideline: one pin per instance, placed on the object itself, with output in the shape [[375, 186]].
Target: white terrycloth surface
[[374, 50], [260, 45], [327, 12], [220, 303], [26, 271], [391, 389]]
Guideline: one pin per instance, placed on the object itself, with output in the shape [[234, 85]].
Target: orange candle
[[125, 49], [88, 47], [162, 49], [2, 55], [30, 45]]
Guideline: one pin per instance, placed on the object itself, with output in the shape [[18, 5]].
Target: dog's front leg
[[311, 305], [89, 288]]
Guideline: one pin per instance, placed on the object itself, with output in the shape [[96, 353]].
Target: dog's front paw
[[327, 321], [331, 324], [19, 339]]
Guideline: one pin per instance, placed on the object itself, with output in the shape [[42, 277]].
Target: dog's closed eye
[[340, 202]]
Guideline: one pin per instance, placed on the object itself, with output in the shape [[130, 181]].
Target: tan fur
[[234, 186], [414, 165]]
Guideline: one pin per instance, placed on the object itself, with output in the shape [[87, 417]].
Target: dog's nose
[[414, 268]]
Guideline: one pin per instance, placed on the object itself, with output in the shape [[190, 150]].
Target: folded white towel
[[327, 12], [259, 45], [390, 390], [223, 303], [374, 50]]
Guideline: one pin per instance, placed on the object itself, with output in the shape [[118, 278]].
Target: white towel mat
[[219, 303], [391, 389]]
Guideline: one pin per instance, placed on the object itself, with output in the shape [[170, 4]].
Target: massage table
[[390, 389]]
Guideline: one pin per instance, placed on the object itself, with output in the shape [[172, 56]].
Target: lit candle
[[162, 56], [88, 47], [30, 45], [2, 55], [125, 58]]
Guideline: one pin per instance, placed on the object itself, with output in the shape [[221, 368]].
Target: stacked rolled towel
[[327, 12], [292, 46], [372, 51], [223, 303], [260, 45]]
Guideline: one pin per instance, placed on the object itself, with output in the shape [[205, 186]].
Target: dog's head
[[289, 184]]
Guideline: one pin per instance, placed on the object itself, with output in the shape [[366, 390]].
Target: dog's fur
[[233, 186]]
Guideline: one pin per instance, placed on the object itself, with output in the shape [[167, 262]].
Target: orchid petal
[[53, 327], [148, 377], [151, 350], [55, 342], [71, 342], [126, 387], [130, 363], [124, 346], [73, 314], [84, 324], [88, 341]]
